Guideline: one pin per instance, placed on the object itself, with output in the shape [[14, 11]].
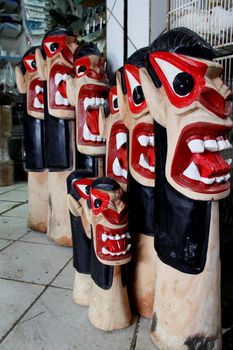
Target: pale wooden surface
[[82, 288], [109, 309], [38, 200], [188, 306], [144, 275]]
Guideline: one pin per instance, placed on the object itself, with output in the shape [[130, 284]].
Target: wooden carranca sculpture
[[55, 63], [141, 181], [31, 86], [191, 107]]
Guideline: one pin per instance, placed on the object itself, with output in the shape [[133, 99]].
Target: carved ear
[[122, 101], [70, 90], [74, 206], [20, 80], [41, 65], [154, 97], [102, 122]]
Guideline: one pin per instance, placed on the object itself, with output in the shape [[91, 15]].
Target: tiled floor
[[36, 279]]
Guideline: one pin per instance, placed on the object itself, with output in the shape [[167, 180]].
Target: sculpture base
[[6, 174]]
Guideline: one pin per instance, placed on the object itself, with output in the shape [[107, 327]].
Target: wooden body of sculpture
[[100, 202], [55, 63], [141, 182], [31, 86], [191, 106]]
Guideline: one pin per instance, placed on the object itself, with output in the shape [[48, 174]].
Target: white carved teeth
[[212, 145], [37, 104], [93, 102], [60, 100], [116, 237], [59, 77], [145, 140], [121, 138], [144, 164], [105, 251], [38, 89], [88, 136], [117, 169], [192, 173], [104, 237]]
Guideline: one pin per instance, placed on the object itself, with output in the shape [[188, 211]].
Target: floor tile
[[16, 196], [20, 211], [143, 337], [55, 322], [33, 262], [23, 187], [10, 228], [66, 277], [4, 206], [4, 243], [15, 298], [37, 237]]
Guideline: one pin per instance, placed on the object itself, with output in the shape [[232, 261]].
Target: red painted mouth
[[35, 96], [90, 98], [143, 151], [112, 245], [117, 165], [57, 87], [198, 164]]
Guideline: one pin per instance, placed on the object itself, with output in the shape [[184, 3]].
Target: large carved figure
[[191, 106], [141, 181], [55, 63], [31, 86]]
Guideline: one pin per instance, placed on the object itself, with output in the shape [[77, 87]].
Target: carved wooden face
[[110, 226], [59, 50], [115, 133], [31, 84], [140, 124], [89, 91], [194, 105]]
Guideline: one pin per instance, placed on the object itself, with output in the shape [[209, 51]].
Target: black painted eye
[[87, 190], [81, 69], [54, 47], [183, 84], [97, 203], [138, 95], [33, 64], [115, 104]]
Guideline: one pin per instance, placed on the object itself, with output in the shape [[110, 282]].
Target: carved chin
[[112, 245], [198, 164]]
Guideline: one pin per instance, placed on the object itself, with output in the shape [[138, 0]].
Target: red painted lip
[[32, 95], [209, 164], [61, 87], [119, 154], [90, 117], [113, 241], [147, 152]]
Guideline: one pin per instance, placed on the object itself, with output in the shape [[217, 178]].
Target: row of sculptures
[[142, 160]]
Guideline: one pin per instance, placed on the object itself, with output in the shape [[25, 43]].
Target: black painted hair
[[105, 183], [179, 40], [54, 32], [86, 49], [74, 176], [32, 50], [138, 60]]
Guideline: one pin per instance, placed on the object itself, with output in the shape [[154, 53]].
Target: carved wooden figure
[[31, 86], [113, 130], [191, 106], [55, 63], [141, 181]]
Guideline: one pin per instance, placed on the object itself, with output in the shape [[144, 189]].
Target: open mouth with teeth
[[57, 87], [198, 163], [117, 166], [90, 98], [36, 97], [112, 244], [143, 152]]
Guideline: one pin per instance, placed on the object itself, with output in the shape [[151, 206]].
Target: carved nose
[[96, 74], [215, 103]]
